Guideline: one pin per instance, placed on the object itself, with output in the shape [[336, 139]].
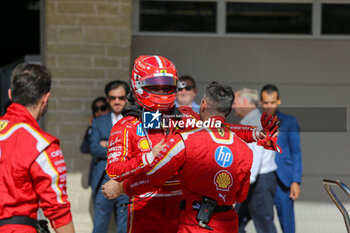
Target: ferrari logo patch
[[221, 131], [3, 125]]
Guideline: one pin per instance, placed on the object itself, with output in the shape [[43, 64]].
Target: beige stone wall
[[87, 44]]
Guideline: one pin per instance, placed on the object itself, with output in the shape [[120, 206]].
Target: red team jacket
[[211, 162], [129, 149], [32, 172]]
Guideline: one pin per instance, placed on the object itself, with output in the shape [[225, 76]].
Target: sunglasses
[[111, 97], [102, 108], [187, 88]]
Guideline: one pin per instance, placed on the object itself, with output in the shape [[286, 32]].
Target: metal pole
[[328, 186]]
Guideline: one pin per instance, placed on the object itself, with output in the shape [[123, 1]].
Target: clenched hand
[[112, 189]]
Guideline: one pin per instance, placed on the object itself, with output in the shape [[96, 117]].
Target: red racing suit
[[128, 153], [212, 162], [32, 172]]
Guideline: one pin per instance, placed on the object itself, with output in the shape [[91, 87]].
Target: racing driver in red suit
[[154, 82], [32, 167]]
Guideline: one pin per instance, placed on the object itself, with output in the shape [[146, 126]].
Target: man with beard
[[32, 167], [116, 94]]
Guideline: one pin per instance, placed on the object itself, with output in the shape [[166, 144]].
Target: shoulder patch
[[140, 131], [3, 124]]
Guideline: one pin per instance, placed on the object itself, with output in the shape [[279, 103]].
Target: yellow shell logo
[[223, 180], [143, 144], [3, 125]]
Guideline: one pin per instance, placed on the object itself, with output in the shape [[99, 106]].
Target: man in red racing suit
[[32, 167], [219, 170], [212, 162], [130, 153]]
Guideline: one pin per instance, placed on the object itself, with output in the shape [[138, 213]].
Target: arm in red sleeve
[[138, 185], [165, 165], [49, 179], [247, 133], [121, 163], [243, 178]]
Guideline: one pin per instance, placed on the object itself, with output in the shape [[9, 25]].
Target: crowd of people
[[162, 179]]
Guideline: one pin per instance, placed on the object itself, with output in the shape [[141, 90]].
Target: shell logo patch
[[223, 180], [3, 124], [143, 144]]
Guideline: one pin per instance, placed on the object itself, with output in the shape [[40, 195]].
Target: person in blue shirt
[[289, 162], [186, 93]]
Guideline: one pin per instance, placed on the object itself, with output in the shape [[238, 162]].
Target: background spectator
[[289, 162], [185, 95], [99, 107], [260, 200], [116, 92]]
